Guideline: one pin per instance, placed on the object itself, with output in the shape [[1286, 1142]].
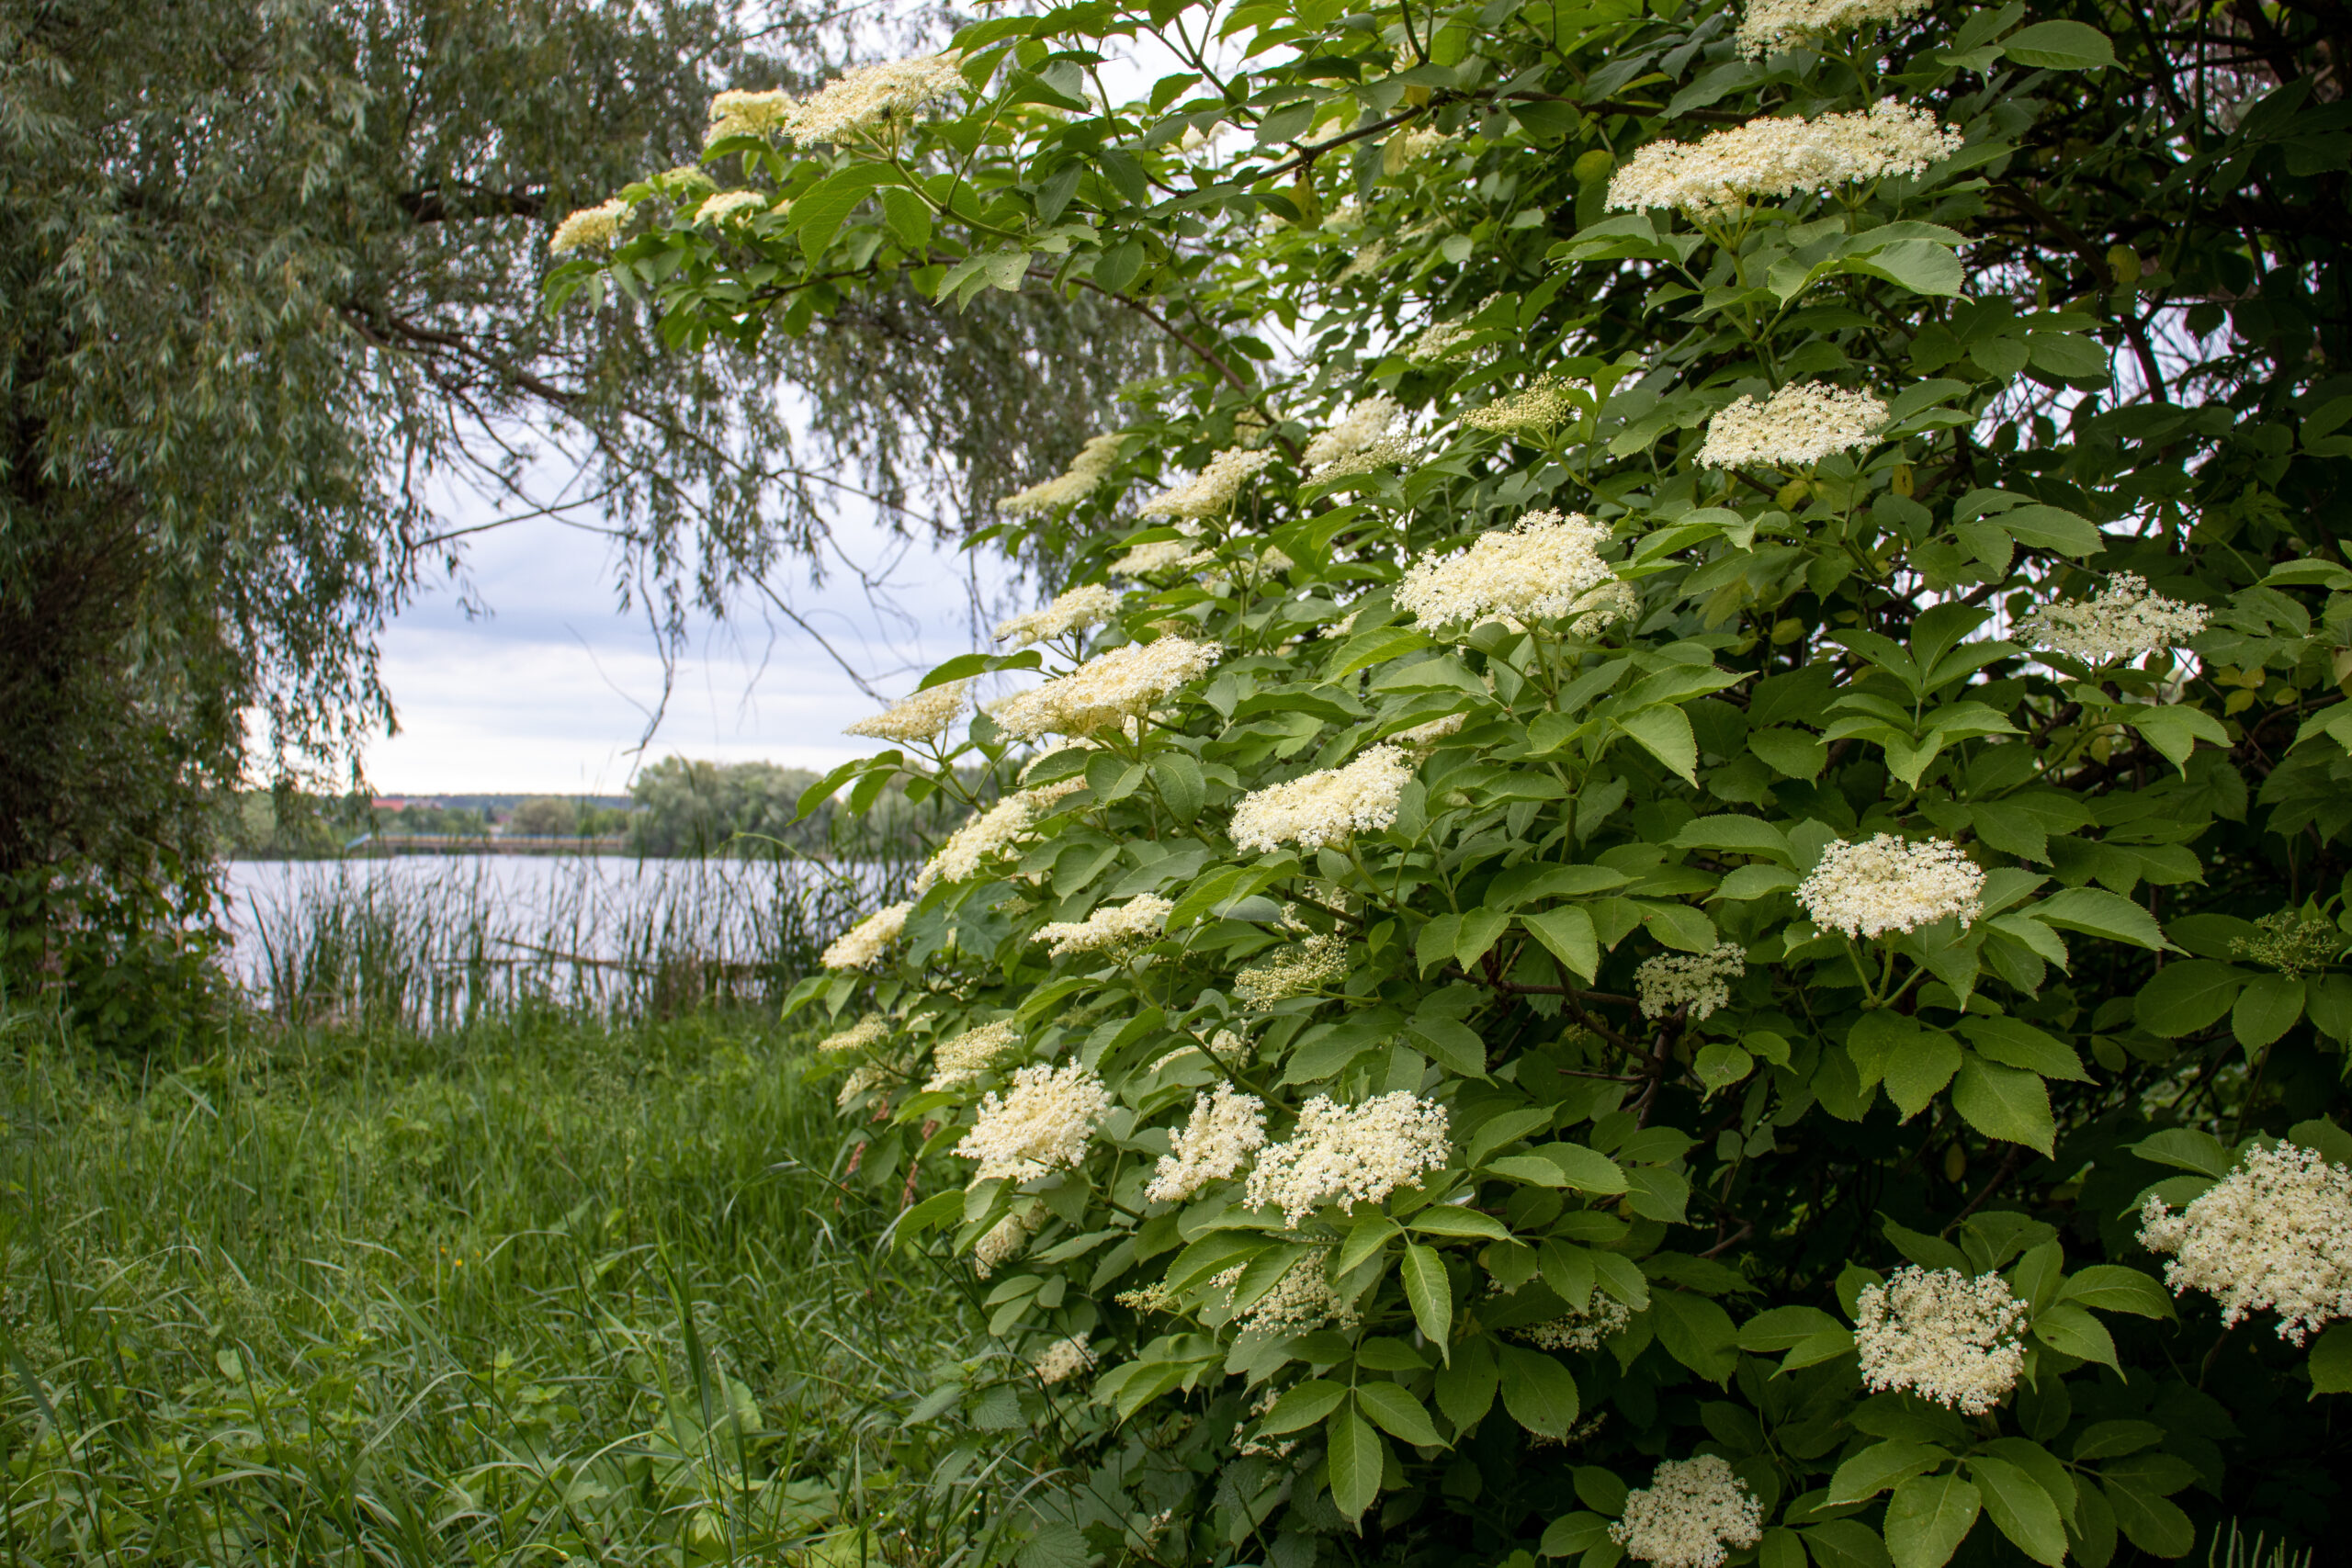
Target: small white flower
[[1542, 568], [1772, 25], [1114, 926], [1007, 1239], [1084, 476], [590, 227], [1042, 1123], [862, 945], [922, 717], [1212, 492], [1310, 964], [1350, 1154], [1580, 1330], [1357, 428], [1106, 690], [738, 113], [1942, 1335], [1795, 428], [1325, 808], [1063, 1358], [2275, 1235], [2123, 621], [1884, 884], [959, 1061], [1080, 609], [1542, 405], [1691, 1509], [1301, 1301], [970, 847], [877, 99], [1701, 979], [1225, 1129], [1771, 157]]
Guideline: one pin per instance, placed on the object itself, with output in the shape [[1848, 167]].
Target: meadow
[[519, 1283]]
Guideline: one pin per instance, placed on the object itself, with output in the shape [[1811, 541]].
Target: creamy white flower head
[[926, 716], [1540, 569], [1774, 157], [1580, 1330], [1161, 555], [1301, 1301], [1106, 690], [1042, 1123], [1139, 919], [1311, 965], [1225, 1129], [1394, 450], [686, 186], [958, 1061], [1080, 609], [1543, 404], [738, 113], [729, 204], [862, 945], [1883, 884], [1795, 428], [981, 838], [1326, 807], [1614, 600], [1702, 980], [1771, 25], [869, 1077], [869, 98], [1942, 1335], [590, 227], [1350, 1154], [858, 1038], [1440, 343], [1007, 1239], [1085, 475], [2273, 1235], [2123, 621], [1691, 1509], [1211, 493], [1422, 737], [1360, 426], [1411, 146], [1367, 259], [1063, 1358], [2293, 941]]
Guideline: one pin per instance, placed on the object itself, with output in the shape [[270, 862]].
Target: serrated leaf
[[2111, 1287], [1928, 1519], [1881, 1466], [1430, 1293], [1398, 1413], [1665, 732], [1538, 1391], [2003, 1102], [2022, 1510], [1357, 1456], [2060, 46]]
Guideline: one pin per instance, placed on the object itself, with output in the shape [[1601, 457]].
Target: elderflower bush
[[1620, 915]]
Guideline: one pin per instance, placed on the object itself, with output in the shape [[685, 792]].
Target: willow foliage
[[1716, 797]]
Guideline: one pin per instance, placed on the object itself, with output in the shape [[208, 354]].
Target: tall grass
[[531, 1291]]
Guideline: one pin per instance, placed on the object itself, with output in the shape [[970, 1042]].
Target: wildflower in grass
[[1093, 464], [1884, 884], [1690, 1512], [1770, 26], [2123, 621], [1313, 965], [1299, 1302], [1212, 492], [1942, 1336], [961, 1060], [925, 716], [1542, 405], [876, 99], [1358, 427], [1063, 1358], [1224, 1130], [2273, 1235], [1327, 807], [1079, 610], [1042, 1123], [1106, 690], [1350, 1154], [1700, 981], [1795, 428], [864, 944], [1542, 568], [1772, 157], [1113, 926], [590, 227], [2293, 941], [1580, 1330], [739, 113]]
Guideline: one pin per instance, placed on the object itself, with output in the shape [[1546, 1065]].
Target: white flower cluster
[[1421, 737], [1224, 1045], [959, 1061], [1007, 1239], [983, 836], [2275, 1235], [729, 204], [1883, 884], [1359, 426], [590, 227], [1440, 343], [1043, 1123], [1771, 25], [862, 945], [739, 113], [1210, 492], [1225, 1129], [1691, 1509], [1614, 600], [1062, 1359], [858, 1038], [2293, 941], [1702, 980], [1543, 404], [1301, 1301], [1350, 1153], [1106, 690], [1942, 1335], [1161, 555], [2122, 622], [872, 98], [1085, 474], [1581, 1330], [871, 1075], [1139, 919], [1309, 965], [923, 716], [1080, 609], [1718, 174], [1326, 808], [1795, 428], [1543, 567]]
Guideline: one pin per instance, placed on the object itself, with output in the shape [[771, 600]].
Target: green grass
[[533, 1290]]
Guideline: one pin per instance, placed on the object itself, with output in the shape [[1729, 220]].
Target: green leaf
[[818, 214], [2152, 1524], [1453, 1044], [1451, 1219], [1571, 1535], [1304, 1405], [2015, 1044], [1568, 1271], [2050, 529], [2060, 46], [2187, 996], [1427, 1289], [1917, 1072], [2025, 1513], [1741, 835], [1665, 733], [1781, 1328], [2175, 730], [1883, 1465], [2185, 1148], [2331, 1362], [1357, 1455], [2111, 1287], [1398, 1413], [2267, 1009], [1928, 1519], [2003, 1102], [1478, 933], [1568, 935], [1922, 266], [1846, 1543], [2097, 912], [1180, 785], [1697, 1333], [1538, 1391], [1466, 1385], [2069, 1328]]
